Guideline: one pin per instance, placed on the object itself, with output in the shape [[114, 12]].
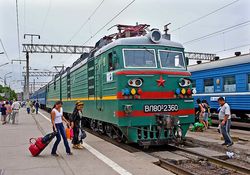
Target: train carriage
[[229, 78], [40, 95], [135, 88]]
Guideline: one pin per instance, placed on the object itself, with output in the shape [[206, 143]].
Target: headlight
[[184, 82], [137, 82]]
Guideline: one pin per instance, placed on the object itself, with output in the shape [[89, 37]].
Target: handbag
[[82, 134]]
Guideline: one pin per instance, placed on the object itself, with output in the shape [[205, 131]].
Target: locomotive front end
[[155, 104]]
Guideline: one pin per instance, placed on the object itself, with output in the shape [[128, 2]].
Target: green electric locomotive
[[134, 85]]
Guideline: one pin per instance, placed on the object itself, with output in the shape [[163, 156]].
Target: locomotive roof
[[140, 40], [235, 60]]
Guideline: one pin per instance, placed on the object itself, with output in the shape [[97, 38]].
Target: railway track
[[186, 168], [235, 124], [219, 162]]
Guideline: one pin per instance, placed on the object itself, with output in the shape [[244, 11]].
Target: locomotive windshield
[[139, 58], [171, 59]]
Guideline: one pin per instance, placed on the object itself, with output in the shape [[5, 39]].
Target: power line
[[24, 15], [219, 32], [237, 47], [4, 50], [46, 16], [85, 22], [109, 21], [17, 23], [204, 16]]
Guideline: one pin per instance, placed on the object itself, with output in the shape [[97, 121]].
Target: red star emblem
[[160, 82]]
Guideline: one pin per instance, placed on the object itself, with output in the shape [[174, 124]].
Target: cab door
[[99, 84]]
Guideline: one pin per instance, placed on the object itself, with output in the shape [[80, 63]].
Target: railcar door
[[99, 82]]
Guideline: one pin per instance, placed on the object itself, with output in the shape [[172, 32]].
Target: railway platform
[[98, 157]]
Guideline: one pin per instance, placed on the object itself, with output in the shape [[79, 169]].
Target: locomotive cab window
[[209, 85], [111, 65], [229, 84], [139, 58], [171, 59]]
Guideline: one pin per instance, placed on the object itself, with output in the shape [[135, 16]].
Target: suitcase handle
[[31, 140]]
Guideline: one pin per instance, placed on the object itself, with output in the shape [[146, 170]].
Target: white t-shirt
[[58, 116], [15, 106], [225, 110]]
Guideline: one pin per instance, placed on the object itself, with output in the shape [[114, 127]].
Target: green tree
[[9, 93]]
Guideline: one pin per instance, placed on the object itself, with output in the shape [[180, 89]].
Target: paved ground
[[99, 157], [242, 138]]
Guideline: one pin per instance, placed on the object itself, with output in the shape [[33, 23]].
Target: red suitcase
[[37, 147]]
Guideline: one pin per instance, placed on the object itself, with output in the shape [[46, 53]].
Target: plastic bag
[[67, 131]]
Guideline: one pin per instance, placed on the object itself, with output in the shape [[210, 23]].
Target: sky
[[56, 21]]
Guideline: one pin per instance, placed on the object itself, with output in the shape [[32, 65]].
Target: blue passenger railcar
[[229, 78], [40, 95]]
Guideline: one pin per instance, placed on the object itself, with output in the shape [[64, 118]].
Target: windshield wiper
[[148, 51]]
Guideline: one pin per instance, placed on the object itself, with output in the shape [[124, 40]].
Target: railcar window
[[171, 59], [229, 84], [209, 85], [248, 82], [139, 58]]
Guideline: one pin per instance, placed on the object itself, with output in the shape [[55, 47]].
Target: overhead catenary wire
[[109, 21], [18, 30], [24, 16], [232, 48], [4, 50], [86, 21], [218, 32], [46, 16], [204, 16]]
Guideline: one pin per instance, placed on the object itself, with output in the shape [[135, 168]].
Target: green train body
[[132, 88]]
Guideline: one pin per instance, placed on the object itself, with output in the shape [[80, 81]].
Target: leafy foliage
[[9, 93]]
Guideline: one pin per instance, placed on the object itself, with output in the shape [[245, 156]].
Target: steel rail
[[217, 161], [173, 168]]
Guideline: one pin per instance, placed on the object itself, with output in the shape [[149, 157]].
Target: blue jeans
[[60, 132], [36, 110], [225, 129], [28, 110]]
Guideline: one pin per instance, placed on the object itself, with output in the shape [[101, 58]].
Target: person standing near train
[[206, 112], [200, 112], [57, 119], [225, 121], [76, 119]]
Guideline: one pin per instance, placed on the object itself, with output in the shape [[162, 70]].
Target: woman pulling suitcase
[[57, 119]]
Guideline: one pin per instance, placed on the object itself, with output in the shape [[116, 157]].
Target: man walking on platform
[[28, 106], [37, 106], [225, 121], [15, 111]]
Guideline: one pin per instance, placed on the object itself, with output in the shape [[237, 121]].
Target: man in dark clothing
[[37, 106], [4, 113]]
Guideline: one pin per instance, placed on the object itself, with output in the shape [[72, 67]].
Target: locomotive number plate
[[161, 108]]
